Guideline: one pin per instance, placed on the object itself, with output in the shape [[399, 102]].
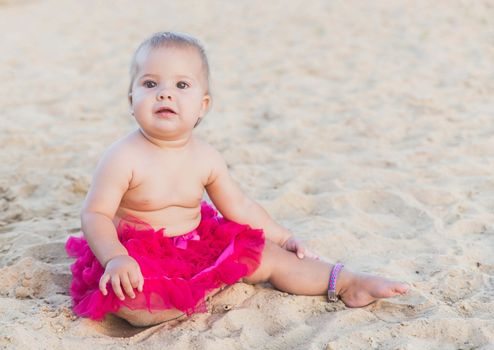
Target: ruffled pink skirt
[[178, 271]]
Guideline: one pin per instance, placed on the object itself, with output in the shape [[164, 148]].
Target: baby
[[152, 249]]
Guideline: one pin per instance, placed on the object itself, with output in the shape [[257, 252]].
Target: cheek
[[141, 98], [140, 108], [195, 98]]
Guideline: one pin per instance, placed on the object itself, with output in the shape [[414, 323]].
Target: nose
[[164, 94]]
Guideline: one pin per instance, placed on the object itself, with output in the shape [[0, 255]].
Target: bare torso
[[166, 188]]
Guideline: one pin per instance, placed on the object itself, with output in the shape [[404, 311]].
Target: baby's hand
[[122, 271], [293, 245]]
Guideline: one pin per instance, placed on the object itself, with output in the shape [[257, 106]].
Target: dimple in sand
[[151, 248]]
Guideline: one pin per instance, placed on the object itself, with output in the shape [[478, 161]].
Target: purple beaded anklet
[[332, 296]]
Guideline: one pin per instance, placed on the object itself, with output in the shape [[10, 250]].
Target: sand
[[364, 127]]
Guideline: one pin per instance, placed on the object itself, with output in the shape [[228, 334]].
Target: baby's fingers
[[300, 252], [140, 283], [125, 282], [102, 283], [117, 289], [136, 279]]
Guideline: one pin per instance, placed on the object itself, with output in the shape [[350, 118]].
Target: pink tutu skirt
[[178, 271]]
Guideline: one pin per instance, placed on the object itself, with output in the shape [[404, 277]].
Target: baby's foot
[[358, 290]]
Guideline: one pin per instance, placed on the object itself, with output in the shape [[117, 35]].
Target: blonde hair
[[169, 39]]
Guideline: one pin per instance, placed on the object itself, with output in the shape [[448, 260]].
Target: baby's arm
[[110, 182], [234, 205]]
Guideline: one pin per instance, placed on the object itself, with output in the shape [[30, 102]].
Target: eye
[[149, 84], [182, 85]]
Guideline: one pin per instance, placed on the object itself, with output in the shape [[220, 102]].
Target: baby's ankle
[[344, 280]]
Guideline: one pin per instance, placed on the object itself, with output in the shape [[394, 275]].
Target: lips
[[165, 111]]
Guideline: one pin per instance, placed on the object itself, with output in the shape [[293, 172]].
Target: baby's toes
[[401, 288], [393, 289]]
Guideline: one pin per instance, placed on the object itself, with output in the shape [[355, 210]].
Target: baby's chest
[[159, 189]]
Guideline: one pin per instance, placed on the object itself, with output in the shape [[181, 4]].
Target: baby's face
[[169, 92]]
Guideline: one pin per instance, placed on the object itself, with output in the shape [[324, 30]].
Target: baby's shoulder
[[207, 152], [121, 151], [212, 161]]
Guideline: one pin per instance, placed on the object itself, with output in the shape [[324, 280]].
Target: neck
[[172, 143]]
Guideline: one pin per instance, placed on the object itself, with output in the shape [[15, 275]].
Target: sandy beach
[[367, 128]]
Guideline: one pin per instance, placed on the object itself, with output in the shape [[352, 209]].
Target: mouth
[[165, 111]]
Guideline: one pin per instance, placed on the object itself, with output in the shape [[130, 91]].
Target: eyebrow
[[180, 76]]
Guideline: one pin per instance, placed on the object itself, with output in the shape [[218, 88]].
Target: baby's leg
[[285, 271], [144, 318]]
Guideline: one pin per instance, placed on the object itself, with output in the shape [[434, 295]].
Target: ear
[[131, 110], [206, 103]]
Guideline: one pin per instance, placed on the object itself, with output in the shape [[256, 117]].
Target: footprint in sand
[[29, 278], [410, 306], [434, 198], [241, 321], [390, 210], [458, 284], [51, 253]]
